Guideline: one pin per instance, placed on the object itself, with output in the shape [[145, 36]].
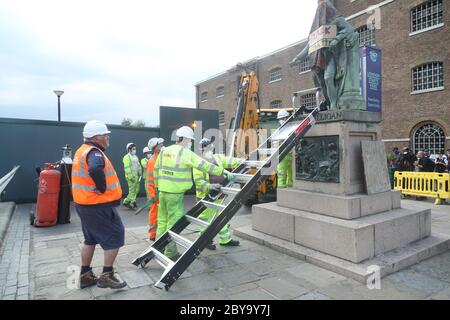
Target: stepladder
[[248, 175]]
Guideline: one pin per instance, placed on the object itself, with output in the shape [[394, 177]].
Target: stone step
[[388, 263], [344, 207], [353, 240]]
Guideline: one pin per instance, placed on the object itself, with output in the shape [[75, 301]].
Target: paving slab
[[281, 288], [438, 267], [140, 293], [52, 268], [62, 293], [441, 295], [313, 296], [234, 276], [242, 288], [217, 294], [136, 279], [315, 275], [418, 282], [218, 261], [263, 267], [255, 294]]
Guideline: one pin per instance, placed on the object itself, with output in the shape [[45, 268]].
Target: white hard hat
[[145, 150], [153, 142], [130, 144], [185, 132], [282, 114], [95, 128]]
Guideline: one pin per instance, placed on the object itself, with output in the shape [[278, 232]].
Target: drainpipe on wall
[[197, 104]]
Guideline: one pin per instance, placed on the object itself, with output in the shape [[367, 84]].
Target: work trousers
[[284, 172], [170, 210], [208, 215]]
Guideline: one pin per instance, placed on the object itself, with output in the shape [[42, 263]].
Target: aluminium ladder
[[174, 269]]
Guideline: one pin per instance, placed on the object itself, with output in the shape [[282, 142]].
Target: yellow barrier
[[423, 184]]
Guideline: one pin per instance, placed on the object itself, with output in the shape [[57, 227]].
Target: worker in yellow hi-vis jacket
[[173, 177], [133, 174], [205, 182]]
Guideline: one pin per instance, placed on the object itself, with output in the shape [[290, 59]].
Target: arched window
[[429, 136]]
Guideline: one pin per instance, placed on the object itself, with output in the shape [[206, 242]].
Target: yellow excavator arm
[[246, 121]]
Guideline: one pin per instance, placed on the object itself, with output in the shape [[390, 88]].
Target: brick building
[[414, 36]]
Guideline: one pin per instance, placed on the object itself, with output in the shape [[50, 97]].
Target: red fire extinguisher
[[48, 195]]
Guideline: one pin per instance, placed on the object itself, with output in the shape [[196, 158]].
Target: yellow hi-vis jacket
[[130, 171], [201, 179], [144, 163], [173, 169]]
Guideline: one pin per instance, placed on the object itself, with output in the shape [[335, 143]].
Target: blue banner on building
[[371, 78]]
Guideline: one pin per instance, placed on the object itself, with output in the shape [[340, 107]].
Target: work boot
[[88, 279], [108, 280], [211, 246], [175, 257], [232, 243], [152, 239]]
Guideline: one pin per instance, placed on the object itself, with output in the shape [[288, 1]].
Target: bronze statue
[[336, 66]]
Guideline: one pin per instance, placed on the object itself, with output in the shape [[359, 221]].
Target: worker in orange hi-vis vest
[[155, 145]]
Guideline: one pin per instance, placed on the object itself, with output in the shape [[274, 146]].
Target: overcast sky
[[117, 59]]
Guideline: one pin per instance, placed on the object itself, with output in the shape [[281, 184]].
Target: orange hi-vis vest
[[150, 179], [83, 186]]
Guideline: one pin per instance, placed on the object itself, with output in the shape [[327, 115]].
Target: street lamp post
[[59, 93]]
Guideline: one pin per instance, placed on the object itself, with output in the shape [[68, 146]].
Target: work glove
[[230, 176], [215, 187]]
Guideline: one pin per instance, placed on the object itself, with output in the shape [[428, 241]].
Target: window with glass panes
[[427, 15], [220, 92], [304, 65], [204, 96], [221, 118], [276, 104], [275, 74], [428, 76], [308, 101], [366, 36], [429, 137]]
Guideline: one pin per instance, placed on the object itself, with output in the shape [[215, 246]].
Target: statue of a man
[[336, 68]]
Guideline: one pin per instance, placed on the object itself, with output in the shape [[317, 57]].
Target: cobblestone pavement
[[45, 265], [14, 260]]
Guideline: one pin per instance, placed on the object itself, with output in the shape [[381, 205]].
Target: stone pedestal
[[351, 127], [338, 225]]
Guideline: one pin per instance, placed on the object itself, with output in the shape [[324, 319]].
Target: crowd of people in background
[[423, 161]]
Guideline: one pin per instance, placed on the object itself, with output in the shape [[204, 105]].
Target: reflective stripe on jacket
[[201, 179], [83, 186], [173, 169]]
